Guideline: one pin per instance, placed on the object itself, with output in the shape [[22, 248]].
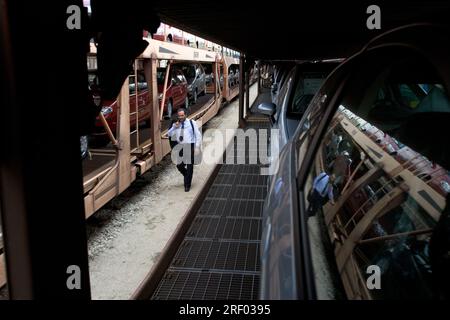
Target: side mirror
[[267, 108]]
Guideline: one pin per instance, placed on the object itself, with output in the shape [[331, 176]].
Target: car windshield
[[307, 86], [389, 180], [189, 73], [93, 79], [160, 74], [208, 68]]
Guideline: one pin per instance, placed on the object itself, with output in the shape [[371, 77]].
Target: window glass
[[132, 84], [189, 72], [160, 75], [93, 79], [179, 77], [374, 189], [142, 82], [208, 68], [308, 127], [410, 94], [306, 87]]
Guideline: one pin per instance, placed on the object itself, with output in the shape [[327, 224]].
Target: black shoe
[[186, 189]]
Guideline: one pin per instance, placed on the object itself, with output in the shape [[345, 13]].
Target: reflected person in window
[[322, 191]]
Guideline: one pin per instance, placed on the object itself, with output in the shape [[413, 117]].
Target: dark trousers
[[187, 169], [315, 202]]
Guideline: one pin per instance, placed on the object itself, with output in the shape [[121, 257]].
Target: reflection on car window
[[207, 68], [189, 72], [306, 88], [179, 78], [132, 84], [93, 79], [410, 94], [142, 83], [380, 198], [160, 76], [308, 127]]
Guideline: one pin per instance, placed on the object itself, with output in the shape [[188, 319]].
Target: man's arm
[[198, 135], [172, 128]]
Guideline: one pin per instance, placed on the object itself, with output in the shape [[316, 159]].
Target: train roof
[[288, 30]]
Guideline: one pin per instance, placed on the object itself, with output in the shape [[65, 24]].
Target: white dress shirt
[[185, 130], [322, 186]]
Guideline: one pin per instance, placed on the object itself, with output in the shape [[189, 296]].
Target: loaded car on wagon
[[196, 80], [176, 90], [139, 102]]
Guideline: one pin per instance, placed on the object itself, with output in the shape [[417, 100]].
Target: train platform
[[215, 255]]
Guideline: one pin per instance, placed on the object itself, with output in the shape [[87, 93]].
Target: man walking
[[188, 137], [321, 190]]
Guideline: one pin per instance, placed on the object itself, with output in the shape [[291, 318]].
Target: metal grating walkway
[[219, 256], [198, 285]]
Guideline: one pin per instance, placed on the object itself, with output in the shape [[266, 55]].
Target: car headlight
[[106, 110]]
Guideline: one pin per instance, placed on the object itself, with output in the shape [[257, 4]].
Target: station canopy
[[294, 30]]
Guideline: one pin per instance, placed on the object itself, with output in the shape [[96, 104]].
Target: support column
[[215, 68], [124, 137], [247, 93], [150, 68], [241, 91]]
